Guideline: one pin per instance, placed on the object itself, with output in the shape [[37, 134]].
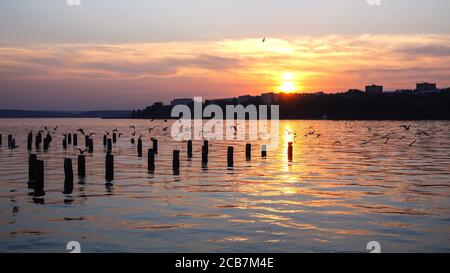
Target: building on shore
[[269, 98], [374, 89], [185, 101], [245, 99], [426, 87]]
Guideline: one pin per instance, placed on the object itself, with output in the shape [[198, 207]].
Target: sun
[[288, 83]]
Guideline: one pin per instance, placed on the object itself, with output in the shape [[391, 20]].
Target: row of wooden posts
[[36, 167]]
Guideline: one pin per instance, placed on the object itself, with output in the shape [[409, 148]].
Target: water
[[330, 198]]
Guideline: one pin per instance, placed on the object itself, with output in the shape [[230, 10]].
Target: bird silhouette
[[412, 143], [264, 40], [132, 127], [81, 131], [81, 151], [407, 127], [337, 143]]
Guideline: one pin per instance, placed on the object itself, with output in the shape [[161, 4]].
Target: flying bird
[[81, 131], [412, 143], [407, 127], [81, 151]]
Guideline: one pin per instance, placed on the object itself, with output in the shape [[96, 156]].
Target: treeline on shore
[[352, 105]]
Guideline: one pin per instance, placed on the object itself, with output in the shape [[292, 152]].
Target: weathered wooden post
[[1, 140], [109, 166], [290, 151], [248, 151], [10, 138], [206, 145], [68, 176], [65, 143], [32, 170], [151, 161], [86, 141], [69, 138], [114, 137], [132, 140], [176, 161], [91, 145], [264, 150], [109, 147], [139, 147], [204, 156], [46, 143], [13, 144], [30, 141], [49, 138], [39, 182], [189, 149], [81, 166], [36, 142], [155, 146], [75, 139], [105, 140], [230, 157]]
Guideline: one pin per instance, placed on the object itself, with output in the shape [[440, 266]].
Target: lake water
[[332, 197]]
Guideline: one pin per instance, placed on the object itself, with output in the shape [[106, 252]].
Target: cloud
[[162, 71]]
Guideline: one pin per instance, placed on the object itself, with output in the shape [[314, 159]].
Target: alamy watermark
[[224, 126]]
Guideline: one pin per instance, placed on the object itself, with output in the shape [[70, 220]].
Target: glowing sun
[[288, 83]]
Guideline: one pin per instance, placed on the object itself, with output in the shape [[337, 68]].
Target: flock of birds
[[375, 136]]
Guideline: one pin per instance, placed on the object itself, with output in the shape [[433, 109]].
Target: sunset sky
[[122, 54]]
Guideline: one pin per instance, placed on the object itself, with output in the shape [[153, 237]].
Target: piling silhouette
[[75, 139], [109, 146], [189, 149], [264, 150], [151, 160], [176, 162], [139, 147], [30, 141], [248, 151], [68, 176], [81, 166], [155, 146], [1, 140], [39, 179], [230, 160], [109, 168], [290, 151]]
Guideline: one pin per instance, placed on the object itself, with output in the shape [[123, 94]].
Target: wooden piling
[[189, 149], [132, 140], [114, 137], [139, 147], [10, 138], [68, 176], [230, 160], [290, 151], [109, 147], [1, 140], [151, 160], [30, 141], [69, 138], [109, 167], [36, 142], [32, 169], [264, 150], [204, 156], [176, 161], [65, 143], [248, 151], [105, 140], [75, 139], [81, 166], [206, 145], [155, 146], [91, 145], [46, 143], [86, 141], [39, 182]]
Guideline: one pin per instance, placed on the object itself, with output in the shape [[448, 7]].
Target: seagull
[[81, 131], [407, 127], [412, 143], [164, 129], [422, 132], [132, 127], [81, 151], [337, 143], [264, 39]]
